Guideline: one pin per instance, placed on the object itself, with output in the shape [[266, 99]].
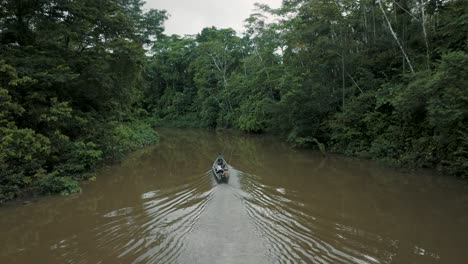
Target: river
[[281, 205]]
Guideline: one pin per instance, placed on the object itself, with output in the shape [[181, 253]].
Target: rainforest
[[83, 83]]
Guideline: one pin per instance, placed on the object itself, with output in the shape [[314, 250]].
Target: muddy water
[[162, 205]]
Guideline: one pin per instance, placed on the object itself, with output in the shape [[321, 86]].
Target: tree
[[71, 77]]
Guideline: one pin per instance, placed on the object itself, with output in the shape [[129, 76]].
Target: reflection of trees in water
[[376, 208], [201, 147], [360, 196], [181, 146]]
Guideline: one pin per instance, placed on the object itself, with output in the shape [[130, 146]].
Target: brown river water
[[281, 205]]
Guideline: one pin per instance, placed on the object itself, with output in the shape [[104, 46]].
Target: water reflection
[[281, 205]]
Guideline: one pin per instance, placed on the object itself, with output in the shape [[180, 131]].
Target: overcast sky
[[191, 16]]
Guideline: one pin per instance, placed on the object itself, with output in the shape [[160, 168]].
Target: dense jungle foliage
[[382, 79], [71, 87], [84, 81]]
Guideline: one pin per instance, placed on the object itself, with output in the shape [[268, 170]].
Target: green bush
[[191, 119], [254, 117], [419, 121], [352, 130], [78, 158], [53, 183], [10, 183], [210, 112], [22, 154], [125, 137]]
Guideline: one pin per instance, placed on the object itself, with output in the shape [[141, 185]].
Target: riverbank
[[163, 205], [406, 160], [79, 163]]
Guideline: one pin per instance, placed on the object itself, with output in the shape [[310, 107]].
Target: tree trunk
[[395, 36], [343, 79], [423, 22]]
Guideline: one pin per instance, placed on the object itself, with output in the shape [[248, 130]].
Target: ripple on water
[[297, 207], [150, 233], [292, 234]]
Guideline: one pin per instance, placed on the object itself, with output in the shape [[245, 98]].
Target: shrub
[[128, 136], [53, 183]]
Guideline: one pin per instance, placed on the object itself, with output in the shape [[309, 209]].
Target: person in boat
[[220, 164]]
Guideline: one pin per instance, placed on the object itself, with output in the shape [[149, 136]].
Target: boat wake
[[292, 235], [151, 233]]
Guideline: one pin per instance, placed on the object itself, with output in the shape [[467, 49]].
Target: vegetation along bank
[[85, 81]]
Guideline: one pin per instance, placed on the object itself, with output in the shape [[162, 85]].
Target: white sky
[[191, 16]]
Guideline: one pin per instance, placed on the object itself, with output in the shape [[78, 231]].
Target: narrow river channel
[[281, 205]]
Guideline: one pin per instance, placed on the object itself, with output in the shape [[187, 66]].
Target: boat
[[220, 169]]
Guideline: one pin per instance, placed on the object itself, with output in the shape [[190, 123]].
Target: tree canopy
[[71, 87], [380, 79], [84, 81]]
